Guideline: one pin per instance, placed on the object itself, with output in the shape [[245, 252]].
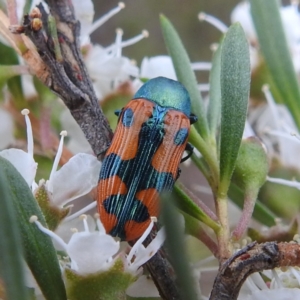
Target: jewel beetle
[[144, 155]]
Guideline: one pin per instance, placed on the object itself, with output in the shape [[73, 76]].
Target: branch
[[65, 72], [253, 258]]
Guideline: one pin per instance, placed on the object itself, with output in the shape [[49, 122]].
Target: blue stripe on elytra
[[111, 166], [135, 205], [181, 136], [127, 117]]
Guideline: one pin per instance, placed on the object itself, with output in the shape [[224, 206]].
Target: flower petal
[[91, 252], [84, 12], [276, 294], [64, 230], [76, 178], [23, 162], [158, 66]]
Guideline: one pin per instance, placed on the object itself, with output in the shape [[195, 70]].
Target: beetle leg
[[189, 148], [118, 112], [193, 118], [178, 173]]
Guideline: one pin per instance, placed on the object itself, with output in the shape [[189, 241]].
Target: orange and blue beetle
[[143, 158]]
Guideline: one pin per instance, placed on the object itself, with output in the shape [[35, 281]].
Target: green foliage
[[11, 262], [184, 73], [283, 79], [214, 105], [9, 57], [235, 86], [176, 249], [38, 248]]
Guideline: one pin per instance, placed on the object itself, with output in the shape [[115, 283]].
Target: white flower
[[274, 125], [284, 285], [74, 179], [156, 66], [84, 12], [291, 23], [21, 160], [241, 14], [108, 69], [95, 251], [106, 65]]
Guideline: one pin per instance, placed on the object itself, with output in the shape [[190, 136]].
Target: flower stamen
[[213, 21], [271, 102], [85, 224], [144, 34], [118, 42], [290, 183], [99, 224], [81, 211], [105, 18], [59, 240], [58, 155], [25, 112], [123, 44]]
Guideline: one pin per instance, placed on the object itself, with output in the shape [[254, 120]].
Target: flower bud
[[250, 173], [252, 164]]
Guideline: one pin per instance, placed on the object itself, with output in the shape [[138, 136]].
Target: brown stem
[[69, 78], [253, 258]]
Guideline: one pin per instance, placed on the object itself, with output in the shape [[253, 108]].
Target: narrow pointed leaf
[[214, 105], [9, 57], [27, 7], [184, 73], [8, 71], [273, 44], [185, 204], [11, 262], [176, 249], [235, 86], [38, 248]]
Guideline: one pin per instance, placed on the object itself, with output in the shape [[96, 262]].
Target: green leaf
[[38, 248], [261, 212], [214, 105], [27, 6], [184, 203], [11, 263], [184, 73], [7, 72], [235, 86], [8, 56], [273, 44], [176, 248]]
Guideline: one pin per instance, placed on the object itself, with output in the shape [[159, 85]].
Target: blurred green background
[[144, 14]]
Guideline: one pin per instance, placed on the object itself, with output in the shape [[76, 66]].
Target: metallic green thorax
[[167, 93]]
